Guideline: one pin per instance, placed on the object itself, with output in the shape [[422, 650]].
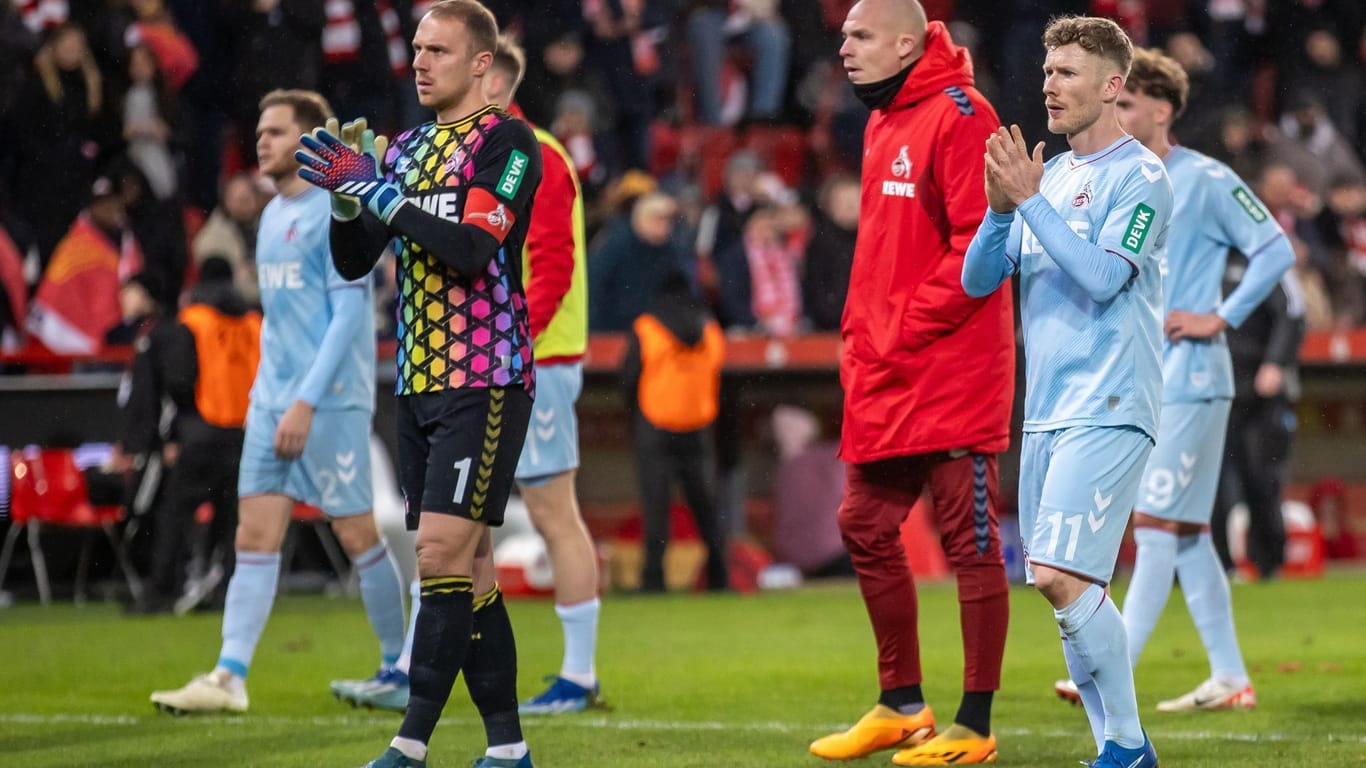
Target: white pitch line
[[619, 724]]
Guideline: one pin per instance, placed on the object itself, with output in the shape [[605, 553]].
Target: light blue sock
[[251, 593], [1211, 606], [383, 598], [1095, 630], [414, 602], [580, 622], [1090, 695], [1150, 587]]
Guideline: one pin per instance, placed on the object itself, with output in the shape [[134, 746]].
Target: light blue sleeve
[[1252, 230], [988, 262], [347, 304], [1102, 273]]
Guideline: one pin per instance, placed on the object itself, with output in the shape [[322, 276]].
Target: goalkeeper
[[453, 200]]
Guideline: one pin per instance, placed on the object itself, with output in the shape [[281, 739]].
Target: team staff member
[[928, 375]]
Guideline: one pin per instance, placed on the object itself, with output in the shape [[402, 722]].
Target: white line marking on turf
[[615, 724]]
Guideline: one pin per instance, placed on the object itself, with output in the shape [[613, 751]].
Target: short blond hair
[[511, 59], [1160, 76], [480, 23], [1096, 35]]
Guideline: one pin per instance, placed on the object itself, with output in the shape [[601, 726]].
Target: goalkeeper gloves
[[351, 172]]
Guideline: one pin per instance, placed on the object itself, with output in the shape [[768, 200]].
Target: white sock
[[234, 682], [580, 622], [410, 747], [1211, 606], [1090, 695], [1095, 630], [507, 751], [1154, 571]]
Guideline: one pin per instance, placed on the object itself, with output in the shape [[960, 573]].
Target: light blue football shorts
[[552, 438], [333, 473], [1183, 471], [1077, 487]]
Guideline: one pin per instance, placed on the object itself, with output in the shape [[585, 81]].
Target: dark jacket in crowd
[[1271, 334]]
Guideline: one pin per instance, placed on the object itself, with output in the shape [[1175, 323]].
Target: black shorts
[[458, 451]]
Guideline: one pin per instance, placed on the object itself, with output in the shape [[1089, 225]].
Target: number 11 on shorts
[[463, 467]]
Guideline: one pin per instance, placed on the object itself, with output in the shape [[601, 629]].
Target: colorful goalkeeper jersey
[[455, 330]]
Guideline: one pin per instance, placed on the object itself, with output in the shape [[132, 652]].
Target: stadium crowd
[[719, 137]]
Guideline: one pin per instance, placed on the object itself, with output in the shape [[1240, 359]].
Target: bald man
[[928, 374]]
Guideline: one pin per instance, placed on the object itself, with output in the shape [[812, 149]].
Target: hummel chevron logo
[[1187, 460], [357, 188], [346, 459], [1184, 478], [545, 433], [346, 475], [1096, 523], [1151, 175], [1102, 502], [545, 416]]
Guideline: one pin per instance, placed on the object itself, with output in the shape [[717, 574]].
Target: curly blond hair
[[1095, 35]]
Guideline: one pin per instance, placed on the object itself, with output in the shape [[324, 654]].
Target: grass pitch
[[734, 681]]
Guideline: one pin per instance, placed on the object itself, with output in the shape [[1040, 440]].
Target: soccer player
[[912, 418], [1086, 233], [308, 427], [554, 268], [1214, 211], [453, 199]]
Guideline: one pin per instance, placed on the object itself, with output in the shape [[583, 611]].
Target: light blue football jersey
[[1214, 211], [1088, 362], [297, 282]]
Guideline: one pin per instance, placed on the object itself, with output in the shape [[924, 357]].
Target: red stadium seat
[[48, 489]]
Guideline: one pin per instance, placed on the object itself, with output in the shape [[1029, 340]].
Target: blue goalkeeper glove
[[326, 161], [347, 207]]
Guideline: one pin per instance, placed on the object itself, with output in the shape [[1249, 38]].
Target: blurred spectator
[[207, 97], [1198, 126], [359, 70], [723, 222], [573, 126], [830, 253], [148, 113], [1239, 144], [622, 48], [58, 126], [1317, 307], [159, 228], [672, 378], [78, 299], [1343, 223], [715, 25], [626, 270], [139, 309], [1330, 78], [1265, 349], [215, 349], [806, 493], [278, 45], [1310, 143], [173, 54], [774, 242], [230, 232], [18, 43]]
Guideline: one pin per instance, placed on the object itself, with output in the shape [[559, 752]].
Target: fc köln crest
[[901, 166]]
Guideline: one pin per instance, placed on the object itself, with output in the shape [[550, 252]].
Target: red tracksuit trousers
[[877, 498]]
